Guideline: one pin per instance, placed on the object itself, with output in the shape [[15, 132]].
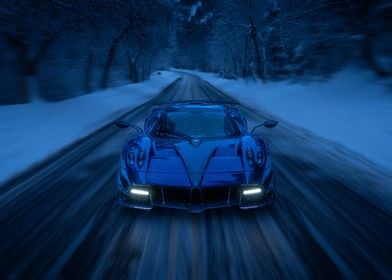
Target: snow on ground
[[31, 132], [353, 108]]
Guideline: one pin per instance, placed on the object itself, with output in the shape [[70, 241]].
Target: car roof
[[193, 106], [217, 105]]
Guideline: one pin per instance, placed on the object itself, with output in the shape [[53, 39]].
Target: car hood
[[183, 163], [178, 162]]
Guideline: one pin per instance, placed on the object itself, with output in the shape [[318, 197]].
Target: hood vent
[[196, 159]]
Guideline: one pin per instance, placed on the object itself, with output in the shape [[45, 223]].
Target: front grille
[[196, 196], [156, 195], [176, 194], [216, 195], [187, 197]]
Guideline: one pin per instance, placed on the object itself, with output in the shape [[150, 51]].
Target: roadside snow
[[31, 132], [352, 108]]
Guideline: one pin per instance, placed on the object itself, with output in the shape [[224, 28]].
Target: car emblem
[[195, 142]]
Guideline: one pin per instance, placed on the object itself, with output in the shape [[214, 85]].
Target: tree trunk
[[253, 35], [130, 67], [233, 60], [133, 72], [149, 67], [20, 48], [28, 68], [368, 55], [108, 64], [24, 96], [245, 68], [135, 77], [110, 56], [87, 72], [372, 29], [264, 64], [367, 23]]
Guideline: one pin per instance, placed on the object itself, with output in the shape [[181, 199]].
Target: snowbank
[[352, 108], [31, 132]]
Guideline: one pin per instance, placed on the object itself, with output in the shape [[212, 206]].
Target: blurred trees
[[373, 25], [56, 49], [29, 28], [277, 39], [193, 30]]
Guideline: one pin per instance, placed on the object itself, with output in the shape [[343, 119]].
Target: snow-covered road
[[332, 218]]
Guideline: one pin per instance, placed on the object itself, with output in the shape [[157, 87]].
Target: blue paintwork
[[197, 171]]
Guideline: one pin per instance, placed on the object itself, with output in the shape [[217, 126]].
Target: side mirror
[[122, 124], [267, 124], [270, 123]]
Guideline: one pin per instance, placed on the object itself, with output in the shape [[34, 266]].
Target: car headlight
[[250, 189], [141, 157], [250, 157], [260, 156], [139, 192], [139, 189], [136, 158], [131, 158]]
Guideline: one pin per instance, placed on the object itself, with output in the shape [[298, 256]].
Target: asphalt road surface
[[332, 217]]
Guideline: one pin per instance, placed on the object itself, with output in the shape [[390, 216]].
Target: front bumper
[[198, 199]]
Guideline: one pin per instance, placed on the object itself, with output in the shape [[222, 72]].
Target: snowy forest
[[195, 139], [58, 49]]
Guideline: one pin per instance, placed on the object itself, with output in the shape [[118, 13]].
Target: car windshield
[[196, 124]]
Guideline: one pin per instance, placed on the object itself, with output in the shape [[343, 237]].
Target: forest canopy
[[59, 49]]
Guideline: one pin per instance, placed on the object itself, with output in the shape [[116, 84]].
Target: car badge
[[195, 142]]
